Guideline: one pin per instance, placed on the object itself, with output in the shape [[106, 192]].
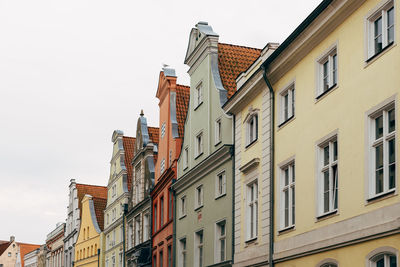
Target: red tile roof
[[182, 103], [153, 134], [232, 60], [129, 146], [93, 190], [99, 207], [3, 246], [25, 249]]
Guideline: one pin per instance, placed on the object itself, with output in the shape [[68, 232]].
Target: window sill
[[219, 196], [217, 143], [372, 58], [251, 143], [185, 168], [198, 155], [198, 105], [327, 215], [250, 241], [286, 121], [322, 95], [381, 196], [286, 230], [198, 208], [183, 216]]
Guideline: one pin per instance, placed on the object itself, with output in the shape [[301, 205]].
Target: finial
[[141, 113]]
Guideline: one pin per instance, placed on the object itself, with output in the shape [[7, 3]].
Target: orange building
[[173, 105]]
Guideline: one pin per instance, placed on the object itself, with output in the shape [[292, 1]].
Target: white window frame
[[146, 226], [252, 210], [163, 126], [333, 178], [380, 252], [137, 229], [382, 110], [182, 206], [199, 248], [185, 157], [220, 256], [218, 131], [198, 95], [252, 129], [290, 92], [182, 252], [290, 188], [380, 11], [220, 184], [330, 58], [199, 197], [198, 142]]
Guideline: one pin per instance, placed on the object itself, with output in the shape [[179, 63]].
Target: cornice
[[203, 168], [139, 206], [165, 179], [250, 165], [207, 45]]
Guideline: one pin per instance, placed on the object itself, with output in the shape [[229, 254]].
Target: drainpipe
[[272, 169], [123, 232], [174, 226], [233, 189]]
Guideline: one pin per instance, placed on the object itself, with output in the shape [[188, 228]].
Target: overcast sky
[[71, 72]]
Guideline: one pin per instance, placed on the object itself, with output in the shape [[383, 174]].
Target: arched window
[[83, 254], [91, 250], [88, 252], [84, 234], [95, 249], [328, 263], [251, 125], [88, 232], [382, 257]]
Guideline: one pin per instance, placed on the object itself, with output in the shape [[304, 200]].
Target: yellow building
[[336, 84], [89, 250]]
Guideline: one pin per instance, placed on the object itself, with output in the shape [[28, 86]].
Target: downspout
[[233, 189], [272, 169], [174, 226]]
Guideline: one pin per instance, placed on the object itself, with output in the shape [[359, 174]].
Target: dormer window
[[198, 95]]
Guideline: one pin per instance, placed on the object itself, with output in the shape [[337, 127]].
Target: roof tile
[[25, 249], [129, 147], [182, 103], [93, 190], [99, 207]]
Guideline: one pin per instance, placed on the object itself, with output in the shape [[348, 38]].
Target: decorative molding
[[250, 165]]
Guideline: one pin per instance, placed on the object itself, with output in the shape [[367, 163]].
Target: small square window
[[381, 29], [199, 197], [220, 184], [185, 157], [199, 144], [183, 206], [198, 95], [328, 72], [287, 101]]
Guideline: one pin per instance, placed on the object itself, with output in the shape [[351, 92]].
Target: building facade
[[31, 258], [89, 245], [118, 186], [138, 246], [336, 86], [8, 252], [251, 107], [173, 104], [55, 245], [204, 188], [41, 257]]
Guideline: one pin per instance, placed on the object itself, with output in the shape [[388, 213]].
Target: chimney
[[12, 238]]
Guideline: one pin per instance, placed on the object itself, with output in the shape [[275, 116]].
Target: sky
[[72, 72]]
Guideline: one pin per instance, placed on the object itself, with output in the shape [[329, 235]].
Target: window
[[384, 260], [130, 235], [113, 261], [169, 256], [185, 157], [199, 249], [199, 197], [380, 29], [220, 241], [287, 99], [328, 72], [252, 210], [170, 158], [146, 227], [198, 95], [137, 230], [87, 236], [114, 190], [9, 254], [84, 234], [252, 129], [182, 253], [155, 218], [120, 258], [382, 151], [220, 184], [328, 176], [113, 241], [288, 196], [160, 259], [107, 262], [163, 130], [162, 166], [183, 206], [218, 137], [138, 174], [170, 205], [199, 144], [161, 211]]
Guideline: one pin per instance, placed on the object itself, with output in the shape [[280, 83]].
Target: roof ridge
[[21, 243], [183, 85], [241, 46], [129, 136], [92, 185]]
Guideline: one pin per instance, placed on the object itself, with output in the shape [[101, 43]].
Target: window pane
[[379, 169], [293, 206], [293, 174], [379, 181], [390, 23], [393, 262], [335, 186], [286, 193], [326, 155], [222, 249], [380, 263], [325, 76], [335, 150], [287, 176], [378, 35], [286, 106], [326, 191], [392, 157], [334, 63], [391, 121], [379, 157], [378, 127]]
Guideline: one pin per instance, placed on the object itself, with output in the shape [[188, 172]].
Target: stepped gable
[[25, 249], [233, 60], [129, 146], [99, 207], [96, 191], [182, 103]]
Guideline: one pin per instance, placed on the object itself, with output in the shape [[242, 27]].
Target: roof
[[233, 60], [93, 190], [3, 246], [25, 249], [182, 103], [99, 207], [129, 147], [293, 36], [154, 133]]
